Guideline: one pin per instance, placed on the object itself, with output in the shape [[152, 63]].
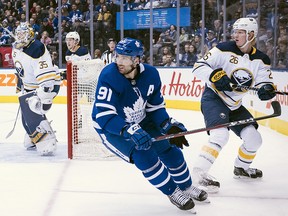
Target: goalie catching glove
[[220, 80], [41, 102], [266, 92], [171, 126], [135, 134]]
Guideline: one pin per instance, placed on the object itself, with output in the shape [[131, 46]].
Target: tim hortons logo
[[179, 87]]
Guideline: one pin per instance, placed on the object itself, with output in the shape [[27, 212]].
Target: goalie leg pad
[[38, 128], [30, 119]]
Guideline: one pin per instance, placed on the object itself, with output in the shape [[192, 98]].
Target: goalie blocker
[[37, 127]]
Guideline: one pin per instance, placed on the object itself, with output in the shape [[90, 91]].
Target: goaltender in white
[[38, 82]]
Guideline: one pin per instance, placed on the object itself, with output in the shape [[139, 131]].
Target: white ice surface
[[31, 185]]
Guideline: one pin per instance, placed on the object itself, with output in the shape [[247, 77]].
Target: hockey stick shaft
[[256, 89], [277, 112], [11, 132]]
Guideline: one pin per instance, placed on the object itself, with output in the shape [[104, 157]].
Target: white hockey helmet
[[247, 24], [73, 35], [24, 34]]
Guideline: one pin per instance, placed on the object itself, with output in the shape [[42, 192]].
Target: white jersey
[[243, 69], [81, 53], [34, 66]]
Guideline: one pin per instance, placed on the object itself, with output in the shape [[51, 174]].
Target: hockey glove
[[41, 102], [63, 75], [171, 126], [266, 92], [220, 80], [137, 135]]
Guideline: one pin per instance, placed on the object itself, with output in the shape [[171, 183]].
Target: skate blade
[[31, 148], [207, 201], [209, 189], [246, 178], [48, 154], [192, 211]]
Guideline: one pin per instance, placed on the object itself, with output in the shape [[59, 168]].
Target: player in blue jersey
[[39, 82], [128, 110], [234, 62]]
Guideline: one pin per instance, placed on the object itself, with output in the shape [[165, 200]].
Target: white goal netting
[[83, 141]]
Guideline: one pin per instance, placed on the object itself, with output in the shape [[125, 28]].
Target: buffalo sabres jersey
[[250, 70], [81, 53], [34, 66], [119, 100]]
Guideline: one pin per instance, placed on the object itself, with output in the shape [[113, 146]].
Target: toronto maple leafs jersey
[[34, 66], [119, 100], [243, 69], [80, 54]]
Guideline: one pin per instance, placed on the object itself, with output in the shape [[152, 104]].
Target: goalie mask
[[72, 40], [24, 34]]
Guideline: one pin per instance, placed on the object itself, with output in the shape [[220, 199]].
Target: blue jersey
[[120, 101]]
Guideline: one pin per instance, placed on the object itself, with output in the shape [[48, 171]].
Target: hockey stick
[[11, 132], [256, 89], [277, 112]]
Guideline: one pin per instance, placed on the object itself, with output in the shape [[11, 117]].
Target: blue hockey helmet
[[129, 47]]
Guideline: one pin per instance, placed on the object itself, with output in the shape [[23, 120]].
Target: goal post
[[83, 140]]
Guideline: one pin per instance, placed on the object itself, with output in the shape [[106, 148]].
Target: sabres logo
[[243, 77], [19, 68]]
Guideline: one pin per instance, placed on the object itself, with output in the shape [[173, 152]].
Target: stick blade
[[276, 107], [9, 134]]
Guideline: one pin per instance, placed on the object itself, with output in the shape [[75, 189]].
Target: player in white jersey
[[75, 52], [128, 110], [235, 62], [39, 83]]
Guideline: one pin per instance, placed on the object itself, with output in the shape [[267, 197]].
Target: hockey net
[[83, 141]]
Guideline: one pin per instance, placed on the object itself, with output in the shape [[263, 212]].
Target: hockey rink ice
[[31, 185]]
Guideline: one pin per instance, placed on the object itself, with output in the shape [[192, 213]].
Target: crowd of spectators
[[43, 17]]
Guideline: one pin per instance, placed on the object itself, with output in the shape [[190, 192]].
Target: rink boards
[[181, 90]]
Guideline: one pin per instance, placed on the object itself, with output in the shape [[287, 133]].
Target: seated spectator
[[130, 5], [210, 39], [184, 36], [55, 59], [36, 27], [4, 27], [282, 55], [97, 54], [46, 26], [193, 52], [4, 39], [168, 38], [186, 56], [75, 14], [45, 39], [163, 52], [169, 61]]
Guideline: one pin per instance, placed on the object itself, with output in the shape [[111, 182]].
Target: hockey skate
[[205, 181], [197, 194], [28, 144], [249, 173], [181, 200]]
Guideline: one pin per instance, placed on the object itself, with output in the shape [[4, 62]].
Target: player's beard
[[125, 71]]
